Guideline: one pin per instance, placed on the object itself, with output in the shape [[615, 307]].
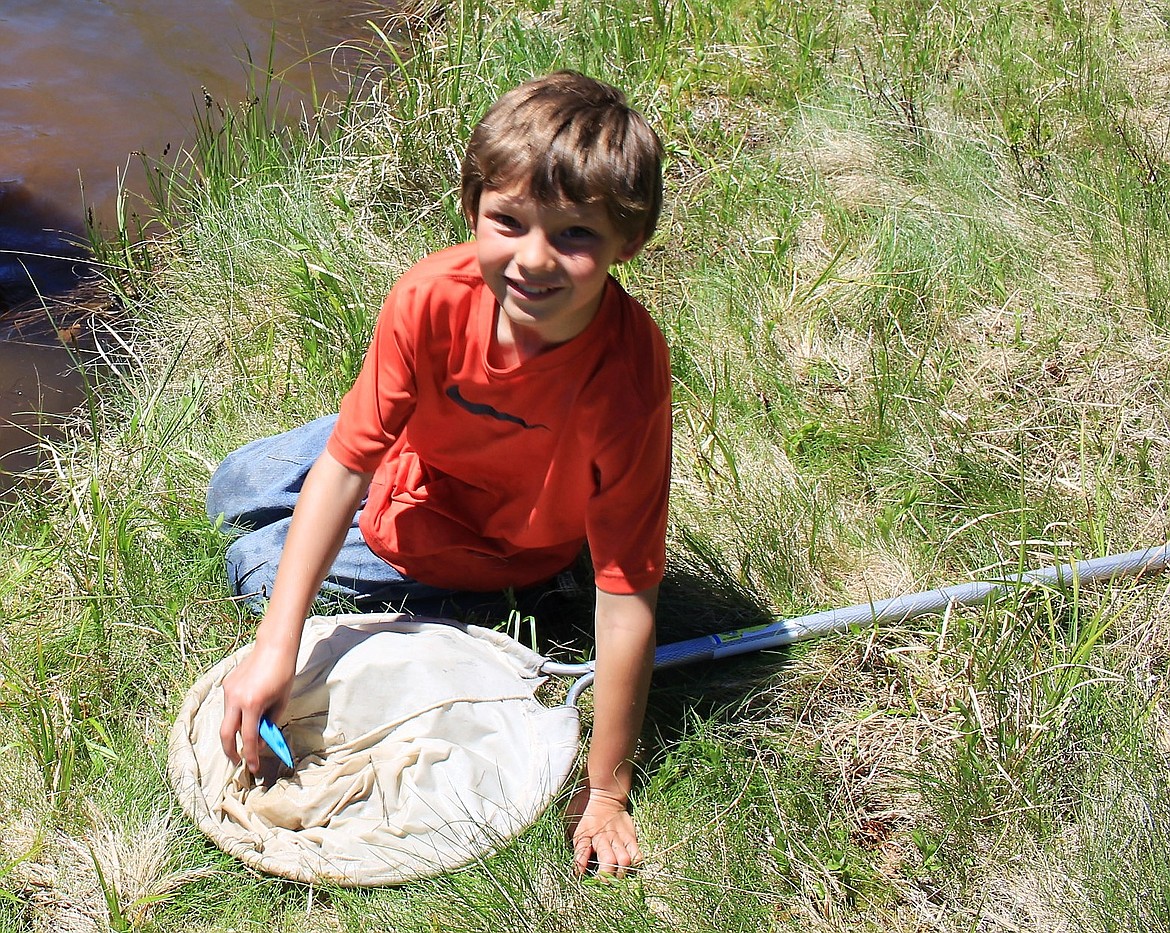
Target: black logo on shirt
[[478, 408]]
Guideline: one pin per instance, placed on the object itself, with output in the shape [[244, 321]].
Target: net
[[420, 747]]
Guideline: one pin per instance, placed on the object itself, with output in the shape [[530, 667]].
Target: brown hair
[[569, 138]]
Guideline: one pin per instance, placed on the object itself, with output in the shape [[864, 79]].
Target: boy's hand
[[262, 682], [602, 831], [259, 684], [599, 824]]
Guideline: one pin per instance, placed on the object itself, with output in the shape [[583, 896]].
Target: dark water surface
[[84, 86]]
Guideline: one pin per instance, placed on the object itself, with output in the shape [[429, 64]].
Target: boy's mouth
[[530, 291]]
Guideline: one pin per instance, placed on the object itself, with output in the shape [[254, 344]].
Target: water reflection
[[85, 86], [82, 85], [42, 252], [37, 382]]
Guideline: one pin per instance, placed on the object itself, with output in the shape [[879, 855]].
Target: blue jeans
[[255, 490]]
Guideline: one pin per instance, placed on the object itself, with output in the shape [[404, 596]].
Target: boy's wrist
[[278, 636], [615, 797], [611, 783]]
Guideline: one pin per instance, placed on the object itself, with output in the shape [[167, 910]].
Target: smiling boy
[[513, 407]]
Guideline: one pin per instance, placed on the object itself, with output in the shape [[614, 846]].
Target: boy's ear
[[632, 247], [470, 218]]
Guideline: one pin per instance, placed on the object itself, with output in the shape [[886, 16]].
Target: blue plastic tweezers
[[271, 734]]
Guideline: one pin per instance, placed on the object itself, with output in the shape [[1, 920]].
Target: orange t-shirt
[[486, 478]]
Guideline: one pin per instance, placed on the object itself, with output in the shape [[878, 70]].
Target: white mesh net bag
[[419, 744]]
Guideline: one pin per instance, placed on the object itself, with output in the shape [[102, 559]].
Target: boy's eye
[[579, 233], [506, 220]]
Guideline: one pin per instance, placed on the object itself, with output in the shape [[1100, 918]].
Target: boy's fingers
[[250, 739], [228, 729], [582, 850], [611, 859]]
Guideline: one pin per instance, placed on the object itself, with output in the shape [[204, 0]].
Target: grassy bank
[[913, 270]]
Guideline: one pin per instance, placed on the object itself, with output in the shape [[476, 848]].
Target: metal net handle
[[895, 610]]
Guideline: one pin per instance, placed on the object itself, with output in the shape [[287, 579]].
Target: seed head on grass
[[112, 877]]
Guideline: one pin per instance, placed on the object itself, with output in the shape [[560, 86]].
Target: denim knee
[[259, 483], [228, 487], [251, 570]]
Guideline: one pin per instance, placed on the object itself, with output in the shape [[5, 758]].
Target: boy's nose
[[535, 252]]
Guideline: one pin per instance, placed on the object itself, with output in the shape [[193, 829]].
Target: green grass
[[913, 272]]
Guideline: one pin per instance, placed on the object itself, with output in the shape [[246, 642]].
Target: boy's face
[[546, 265]]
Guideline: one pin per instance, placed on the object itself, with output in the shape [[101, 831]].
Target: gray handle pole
[[903, 608], [897, 609]]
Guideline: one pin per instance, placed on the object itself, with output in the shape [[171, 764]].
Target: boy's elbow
[[631, 612]]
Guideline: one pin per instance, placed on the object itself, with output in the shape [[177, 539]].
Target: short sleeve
[[627, 517], [382, 398]]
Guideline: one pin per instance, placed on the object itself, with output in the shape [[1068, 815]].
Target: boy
[[514, 405]]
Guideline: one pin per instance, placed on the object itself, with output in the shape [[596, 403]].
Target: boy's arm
[[604, 830], [261, 683]]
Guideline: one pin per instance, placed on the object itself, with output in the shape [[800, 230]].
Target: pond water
[[85, 85]]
